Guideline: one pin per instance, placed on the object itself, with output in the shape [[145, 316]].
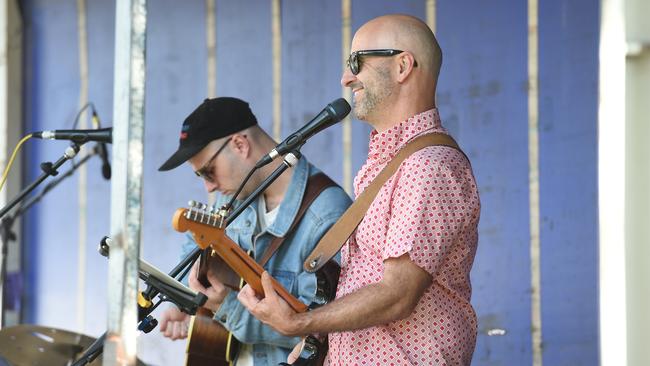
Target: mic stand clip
[[167, 287]]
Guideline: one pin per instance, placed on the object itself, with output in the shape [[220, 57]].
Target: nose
[[347, 78], [210, 186]]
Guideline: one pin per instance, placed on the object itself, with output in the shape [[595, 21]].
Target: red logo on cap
[[183, 135]]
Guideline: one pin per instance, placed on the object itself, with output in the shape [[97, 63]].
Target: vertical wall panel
[[244, 63], [176, 83], [311, 74], [482, 99], [101, 38], [51, 103], [568, 51]]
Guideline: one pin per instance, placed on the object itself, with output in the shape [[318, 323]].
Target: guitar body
[[208, 342]]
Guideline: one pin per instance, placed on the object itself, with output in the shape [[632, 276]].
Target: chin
[[360, 115], [360, 109]]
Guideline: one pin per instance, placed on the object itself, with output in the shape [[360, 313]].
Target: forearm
[[392, 298], [369, 306]]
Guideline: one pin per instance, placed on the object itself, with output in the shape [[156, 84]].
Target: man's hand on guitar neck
[[216, 292], [272, 309]]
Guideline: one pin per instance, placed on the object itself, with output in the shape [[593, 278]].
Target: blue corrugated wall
[[568, 135], [482, 98]]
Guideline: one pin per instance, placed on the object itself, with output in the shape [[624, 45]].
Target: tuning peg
[[192, 203]]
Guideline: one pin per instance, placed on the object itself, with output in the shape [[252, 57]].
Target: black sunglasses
[[353, 59], [206, 170]]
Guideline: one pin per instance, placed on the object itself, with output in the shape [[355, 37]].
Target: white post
[[611, 183], [637, 175], [126, 186]]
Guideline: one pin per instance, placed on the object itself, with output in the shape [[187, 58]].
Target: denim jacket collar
[[292, 199]]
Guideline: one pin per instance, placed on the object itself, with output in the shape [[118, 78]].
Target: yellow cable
[[11, 161]]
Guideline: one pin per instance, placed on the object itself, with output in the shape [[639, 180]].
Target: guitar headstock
[[205, 223], [206, 227]]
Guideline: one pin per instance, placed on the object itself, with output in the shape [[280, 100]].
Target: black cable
[[228, 206], [76, 118], [76, 122]]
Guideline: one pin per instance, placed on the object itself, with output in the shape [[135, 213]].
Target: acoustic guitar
[[208, 342], [205, 227]]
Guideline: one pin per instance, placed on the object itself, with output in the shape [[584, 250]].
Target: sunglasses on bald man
[[353, 60]]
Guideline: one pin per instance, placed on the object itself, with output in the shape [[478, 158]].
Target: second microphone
[[331, 114]]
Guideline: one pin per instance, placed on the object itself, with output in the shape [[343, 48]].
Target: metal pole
[[82, 192], [126, 186], [11, 128]]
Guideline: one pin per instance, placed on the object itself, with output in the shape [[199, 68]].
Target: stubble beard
[[374, 94]]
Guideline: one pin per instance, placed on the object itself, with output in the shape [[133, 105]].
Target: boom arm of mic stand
[[91, 353], [50, 169], [53, 183], [289, 161]]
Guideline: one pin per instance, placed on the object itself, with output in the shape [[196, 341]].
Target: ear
[[240, 145], [406, 63]]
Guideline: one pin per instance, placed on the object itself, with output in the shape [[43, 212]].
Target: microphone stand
[[6, 233], [48, 169], [147, 323]]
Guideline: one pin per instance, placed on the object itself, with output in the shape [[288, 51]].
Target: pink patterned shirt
[[430, 210]]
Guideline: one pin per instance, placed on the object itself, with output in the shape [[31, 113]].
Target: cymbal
[[33, 345]]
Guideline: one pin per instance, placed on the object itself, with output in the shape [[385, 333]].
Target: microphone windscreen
[[341, 108]]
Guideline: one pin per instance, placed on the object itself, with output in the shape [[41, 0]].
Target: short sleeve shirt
[[429, 209]]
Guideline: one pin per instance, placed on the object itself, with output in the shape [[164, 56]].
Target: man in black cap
[[222, 142]]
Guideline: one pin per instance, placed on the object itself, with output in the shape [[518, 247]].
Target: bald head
[[403, 32]]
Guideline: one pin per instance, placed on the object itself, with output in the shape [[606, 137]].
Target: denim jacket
[[269, 347]]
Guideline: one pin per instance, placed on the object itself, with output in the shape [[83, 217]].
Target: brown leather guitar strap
[[339, 233], [315, 185]]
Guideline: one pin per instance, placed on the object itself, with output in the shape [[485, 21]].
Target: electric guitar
[[206, 229]]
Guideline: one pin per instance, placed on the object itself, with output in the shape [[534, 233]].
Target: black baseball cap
[[212, 120]]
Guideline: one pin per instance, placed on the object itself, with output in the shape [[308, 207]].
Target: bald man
[[403, 296]]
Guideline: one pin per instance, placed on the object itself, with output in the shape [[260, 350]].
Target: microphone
[[103, 153], [333, 113], [78, 136]]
